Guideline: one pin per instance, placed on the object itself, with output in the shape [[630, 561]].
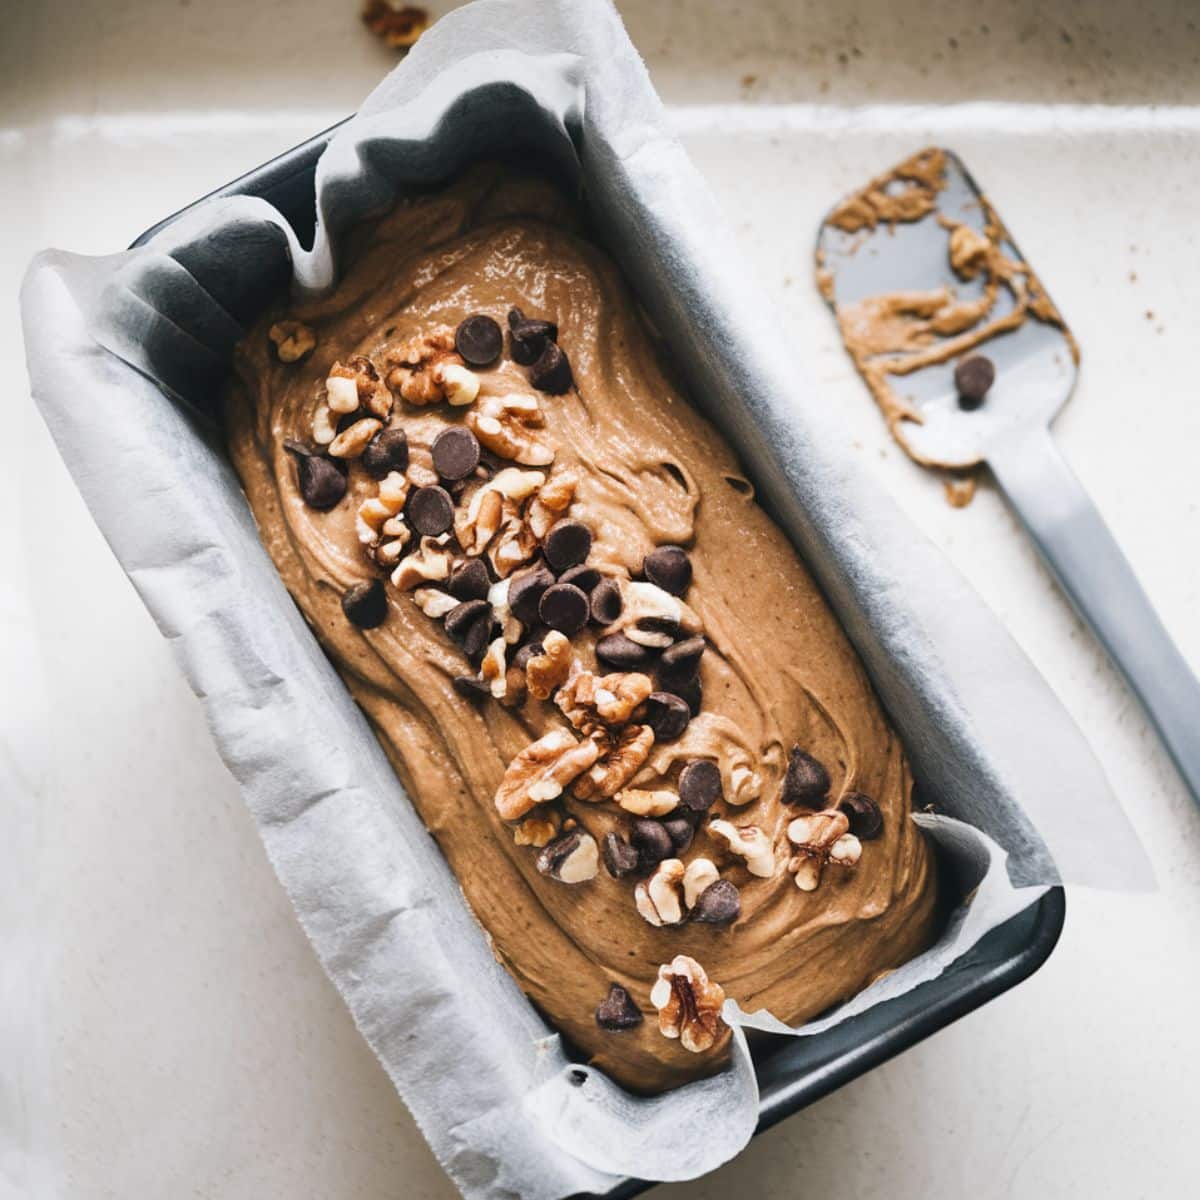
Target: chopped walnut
[[550, 669], [689, 1004], [388, 554], [376, 511], [324, 427], [515, 688], [538, 830], [514, 545], [820, 838], [541, 771], [356, 384], [421, 370], [642, 601], [643, 803], [748, 842], [593, 702], [350, 443], [660, 898], [553, 499], [700, 874], [433, 602], [293, 340], [429, 564], [480, 521], [617, 766], [493, 668], [504, 425], [509, 625], [745, 785]]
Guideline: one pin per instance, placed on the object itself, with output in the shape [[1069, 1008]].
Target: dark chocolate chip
[[582, 576], [620, 857], [526, 591], [567, 544], [552, 371], [679, 664], [387, 451], [477, 636], [681, 831], [667, 715], [479, 340], [718, 904], [471, 688], [691, 693], [461, 618], [526, 652], [553, 855], [348, 419], [430, 510], [515, 317], [866, 821], [667, 625], [606, 602], [455, 452], [651, 841], [322, 484], [564, 607], [621, 653], [469, 581], [700, 785], [618, 1010], [669, 568], [527, 339], [973, 378], [806, 781], [365, 604]]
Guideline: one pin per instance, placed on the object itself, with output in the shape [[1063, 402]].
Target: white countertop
[[193, 1047]]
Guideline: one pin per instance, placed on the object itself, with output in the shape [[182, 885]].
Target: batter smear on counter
[[607, 682]]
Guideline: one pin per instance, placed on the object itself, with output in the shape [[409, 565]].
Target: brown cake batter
[[729, 741]]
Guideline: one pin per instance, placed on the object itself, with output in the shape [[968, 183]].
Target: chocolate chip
[[471, 688], [582, 576], [620, 653], [430, 510], [515, 317], [651, 841], [620, 857], [455, 452], [526, 652], [477, 636], [691, 693], [564, 607], [459, 620], [806, 780], [718, 904], [469, 581], [552, 857], [669, 568], [667, 715], [700, 785], [866, 821], [973, 378], [667, 625], [365, 604], [479, 340], [386, 452], [606, 602], [618, 1010], [681, 831], [567, 543], [527, 339], [322, 484], [526, 591], [552, 371], [680, 663]]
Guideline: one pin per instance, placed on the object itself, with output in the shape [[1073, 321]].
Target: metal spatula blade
[[893, 240]]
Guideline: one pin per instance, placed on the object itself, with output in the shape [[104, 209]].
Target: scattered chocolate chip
[[552, 371], [553, 855], [618, 1010], [691, 693], [479, 340], [620, 857], [527, 338], [619, 653], [365, 604], [718, 904], [471, 688], [681, 831], [866, 821], [651, 841], [459, 620], [477, 636], [806, 781], [322, 484], [455, 452], [669, 568], [430, 510], [515, 317], [469, 581], [667, 715], [526, 652], [680, 663], [526, 591], [564, 607], [973, 378], [567, 544], [666, 625], [606, 602], [700, 785], [582, 576], [387, 451]]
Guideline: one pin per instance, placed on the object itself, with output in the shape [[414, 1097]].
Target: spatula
[[930, 292]]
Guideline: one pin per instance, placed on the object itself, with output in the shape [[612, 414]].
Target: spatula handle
[[1084, 555]]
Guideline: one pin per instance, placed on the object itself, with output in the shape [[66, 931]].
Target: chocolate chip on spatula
[[365, 604], [973, 379], [667, 715], [618, 1010], [552, 371], [866, 821], [455, 452], [806, 781], [719, 904], [567, 544], [386, 452], [700, 785], [430, 510], [479, 340], [669, 568], [322, 484], [564, 607]]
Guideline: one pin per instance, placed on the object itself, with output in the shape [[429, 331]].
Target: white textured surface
[[194, 1048]]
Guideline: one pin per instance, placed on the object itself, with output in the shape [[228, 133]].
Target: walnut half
[[541, 771], [689, 1004]]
